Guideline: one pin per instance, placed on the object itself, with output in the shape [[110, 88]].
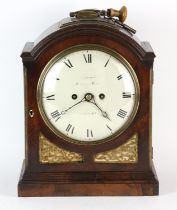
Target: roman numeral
[[51, 97], [107, 62], [122, 113], [55, 115], [68, 63], [119, 77], [89, 133], [88, 58], [109, 128], [70, 128], [126, 95]]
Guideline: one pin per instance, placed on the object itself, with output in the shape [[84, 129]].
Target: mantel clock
[[88, 98]]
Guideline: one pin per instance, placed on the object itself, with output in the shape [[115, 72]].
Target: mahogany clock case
[[87, 177]]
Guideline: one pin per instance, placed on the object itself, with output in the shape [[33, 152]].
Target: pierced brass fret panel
[[50, 153], [126, 153]]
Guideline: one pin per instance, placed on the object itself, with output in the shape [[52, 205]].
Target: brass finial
[[121, 14]]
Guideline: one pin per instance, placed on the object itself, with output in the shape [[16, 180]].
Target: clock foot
[[88, 184]]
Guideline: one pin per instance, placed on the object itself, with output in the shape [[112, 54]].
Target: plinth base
[[88, 184]]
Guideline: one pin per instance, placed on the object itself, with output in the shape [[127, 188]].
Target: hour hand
[[90, 98], [105, 115]]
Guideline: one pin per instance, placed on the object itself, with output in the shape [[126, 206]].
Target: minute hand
[[63, 112]]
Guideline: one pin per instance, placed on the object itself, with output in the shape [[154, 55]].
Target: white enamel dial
[[88, 94]]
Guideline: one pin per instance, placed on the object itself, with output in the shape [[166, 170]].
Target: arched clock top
[[90, 26]]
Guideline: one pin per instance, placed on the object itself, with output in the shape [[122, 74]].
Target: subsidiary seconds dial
[[88, 94]]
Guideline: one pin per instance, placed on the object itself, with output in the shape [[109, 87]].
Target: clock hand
[[104, 114], [90, 98], [87, 97], [63, 112]]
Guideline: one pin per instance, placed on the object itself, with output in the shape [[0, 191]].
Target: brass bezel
[[87, 47]]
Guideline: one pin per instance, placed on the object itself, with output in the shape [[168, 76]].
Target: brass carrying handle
[[117, 16], [110, 13], [121, 14]]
